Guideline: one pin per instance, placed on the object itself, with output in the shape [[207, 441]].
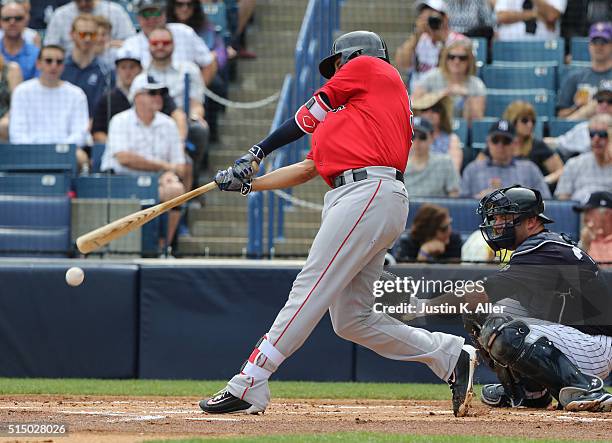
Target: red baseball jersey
[[371, 120]]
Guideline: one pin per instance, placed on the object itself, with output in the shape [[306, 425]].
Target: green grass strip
[[367, 437]]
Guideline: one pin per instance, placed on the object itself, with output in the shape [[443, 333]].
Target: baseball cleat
[[223, 402], [461, 381], [494, 395], [598, 401]]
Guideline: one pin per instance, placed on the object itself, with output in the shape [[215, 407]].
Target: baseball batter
[[361, 126]]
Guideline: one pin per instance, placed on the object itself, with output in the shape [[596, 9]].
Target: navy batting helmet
[[351, 45], [514, 201]]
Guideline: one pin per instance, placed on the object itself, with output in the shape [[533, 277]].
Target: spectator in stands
[[529, 19], [142, 139], [49, 110], [456, 76], [174, 74], [105, 47], [188, 46], [431, 237], [592, 171], [14, 44], [577, 139], [29, 35], [596, 232], [246, 9], [10, 77], [421, 51], [523, 116], [499, 168], [60, 26], [82, 67], [429, 174], [437, 108], [473, 18], [576, 91]]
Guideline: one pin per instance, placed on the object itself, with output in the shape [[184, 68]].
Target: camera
[[434, 21]]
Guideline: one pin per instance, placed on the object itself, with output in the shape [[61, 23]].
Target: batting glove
[[227, 180], [243, 167]]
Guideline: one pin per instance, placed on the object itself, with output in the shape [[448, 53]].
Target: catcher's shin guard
[[511, 344]]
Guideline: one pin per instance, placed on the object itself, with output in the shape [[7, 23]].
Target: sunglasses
[[150, 13], [87, 35], [50, 61], [418, 135], [434, 108], [154, 92], [526, 120], [460, 57], [162, 43], [608, 101], [183, 5], [16, 18], [599, 41], [503, 140], [445, 227], [602, 134]]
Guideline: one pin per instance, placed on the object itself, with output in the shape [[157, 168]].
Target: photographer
[[421, 51]]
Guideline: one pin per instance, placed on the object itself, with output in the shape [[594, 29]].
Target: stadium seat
[[542, 100], [503, 76], [565, 219], [216, 13], [34, 225], [96, 156], [558, 126], [32, 158], [579, 47], [461, 210], [529, 51], [480, 129], [34, 184], [460, 128], [479, 47]]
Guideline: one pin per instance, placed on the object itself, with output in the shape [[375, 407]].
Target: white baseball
[[75, 276]]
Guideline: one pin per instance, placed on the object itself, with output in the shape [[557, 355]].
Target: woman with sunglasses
[[431, 237], [455, 76], [437, 108], [523, 116]]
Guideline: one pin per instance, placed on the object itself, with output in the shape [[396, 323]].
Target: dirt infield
[[123, 419]]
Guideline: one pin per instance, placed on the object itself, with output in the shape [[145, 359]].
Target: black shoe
[[495, 395], [461, 381], [225, 403]]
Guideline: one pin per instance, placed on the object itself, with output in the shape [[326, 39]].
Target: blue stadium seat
[[558, 126], [34, 225], [542, 100], [34, 184], [96, 156], [566, 220], [461, 210], [505, 76], [479, 48], [31, 158], [480, 129], [460, 128], [216, 13], [529, 51], [579, 47]]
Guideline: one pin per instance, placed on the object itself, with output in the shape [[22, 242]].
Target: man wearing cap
[[421, 51], [58, 31], [529, 19], [142, 139], [591, 171], [188, 45], [596, 233], [576, 91], [500, 169], [429, 174]]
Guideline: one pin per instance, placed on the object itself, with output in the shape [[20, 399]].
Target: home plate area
[[99, 418]]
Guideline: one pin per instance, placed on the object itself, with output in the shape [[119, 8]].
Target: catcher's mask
[[505, 209], [351, 45]]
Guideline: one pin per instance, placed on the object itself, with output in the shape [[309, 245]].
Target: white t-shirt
[[188, 46], [516, 31], [48, 115], [158, 141]]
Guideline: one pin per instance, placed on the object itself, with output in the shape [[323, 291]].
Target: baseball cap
[[422, 124], [144, 83], [126, 54], [436, 5], [142, 5], [605, 90], [600, 199], [601, 30], [503, 128]]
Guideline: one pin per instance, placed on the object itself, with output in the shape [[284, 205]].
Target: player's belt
[[355, 175]]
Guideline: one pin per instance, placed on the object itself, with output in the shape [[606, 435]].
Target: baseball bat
[[105, 234]]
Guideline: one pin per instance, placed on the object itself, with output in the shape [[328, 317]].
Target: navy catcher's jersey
[[555, 281]]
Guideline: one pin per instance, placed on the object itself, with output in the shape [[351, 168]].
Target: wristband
[[426, 255]]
